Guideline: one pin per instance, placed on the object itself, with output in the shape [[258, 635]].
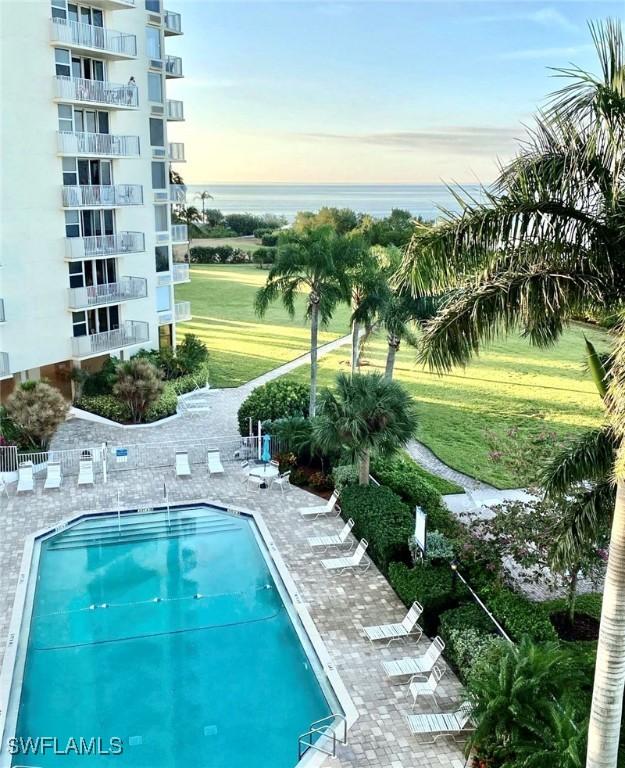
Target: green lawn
[[498, 420]]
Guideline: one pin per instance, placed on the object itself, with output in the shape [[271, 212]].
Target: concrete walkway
[[433, 464]]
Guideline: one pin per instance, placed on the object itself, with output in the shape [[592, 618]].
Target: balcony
[[173, 66], [89, 38], [180, 274], [172, 23], [125, 289], [2, 315], [179, 233], [105, 196], [175, 153], [177, 194], [98, 92], [77, 248], [132, 332], [175, 110], [5, 369], [97, 144], [113, 4], [182, 311]]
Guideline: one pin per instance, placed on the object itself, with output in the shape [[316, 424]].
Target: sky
[[367, 91]]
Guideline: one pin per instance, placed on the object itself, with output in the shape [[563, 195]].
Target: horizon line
[[339, 183]]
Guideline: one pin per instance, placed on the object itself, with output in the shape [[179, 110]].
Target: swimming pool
[[172, 633]]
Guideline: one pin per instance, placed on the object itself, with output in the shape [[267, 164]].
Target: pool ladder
[[327, 736]]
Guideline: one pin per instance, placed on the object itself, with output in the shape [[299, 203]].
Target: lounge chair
[[426, 687], [282, 482], [85, 472], [406, 628], [25, 481], [182, 464], [351, 562], [213, 460], [415, 665], [336, 540], [256, 480], [331, 507], [437, 724], [54, 476]]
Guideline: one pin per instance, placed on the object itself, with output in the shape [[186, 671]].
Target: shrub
[[139, 385], [275, 400], [191, 353], [191, 381], [320, 482], [107, 406], [382, 518], [218, 254], [343, 475], [520, 616], [466, 648], [270, 239], [166, 405], [37, 409], [101, 382], [298, 477], [439, 547], [264, 256], [10, 433]]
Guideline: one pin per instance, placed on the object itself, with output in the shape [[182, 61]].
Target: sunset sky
[[366, 91]]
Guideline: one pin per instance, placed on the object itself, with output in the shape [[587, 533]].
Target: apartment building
[[86, 232]]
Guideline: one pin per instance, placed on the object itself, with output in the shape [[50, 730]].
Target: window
[[72, 224], [155, 87], [165, 340], [65, 118], [76, 277], [153, 5], [153, 39], [160, 218], [161, 257], [158, 176], [79, 323], [62, 62], [59, 9], [70, 175], [157, 132], [163, 298]]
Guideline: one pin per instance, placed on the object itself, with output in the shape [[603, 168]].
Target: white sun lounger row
[[54, 475], [213, 463]]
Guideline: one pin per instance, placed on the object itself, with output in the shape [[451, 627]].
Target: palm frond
[[588, 458]]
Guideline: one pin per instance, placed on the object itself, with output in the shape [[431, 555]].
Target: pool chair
[[426, 687], [415, 665], [85, 472], [182, 464], [282, 482], [255, 481], [408, 627], [351, 562], [4, 488], [213, 461], [25, 481], [312, 513], [338, 540], [54, 476], [436, 724]]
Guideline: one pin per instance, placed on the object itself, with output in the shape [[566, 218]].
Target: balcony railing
[[93, 196], [5, 368], [132, 332], [182, 311], [97, 92], [175, 109], [172, 23], [125, 289], [113, 3], [173, 66], [176, 152], [177, 194], [102, 144], [179, 233], [78, 248], [75, 34], [180, 273]]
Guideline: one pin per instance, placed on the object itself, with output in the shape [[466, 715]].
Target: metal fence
[[10, 459]]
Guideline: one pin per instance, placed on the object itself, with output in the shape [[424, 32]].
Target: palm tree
[[367, 414], [368, 279], [189, 215], [317, 262], [544, 244], [204, 196]]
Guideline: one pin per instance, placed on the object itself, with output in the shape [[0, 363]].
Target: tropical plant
[[204, 195], [139, 385], [317, 261], [37, 409], [365, 415], [546, 243], [189, 215], [275, 400], [368, 280], [191, 353]]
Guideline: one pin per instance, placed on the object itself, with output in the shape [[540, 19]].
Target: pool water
[[173, 638]]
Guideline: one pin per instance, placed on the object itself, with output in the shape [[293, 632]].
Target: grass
[[241, 243], [499, 420]]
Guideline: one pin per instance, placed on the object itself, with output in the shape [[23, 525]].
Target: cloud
[[546, 17], [545, 53], [473, 140]]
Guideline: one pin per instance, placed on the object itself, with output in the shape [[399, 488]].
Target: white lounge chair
[[406, 628], [336, 540], [85, 472], [415, 665], [426, 687], [351, 562], [282, 482], [437, 724], [255, 480], [213, 461], [54, 476], [331, 507], [182, 464], [25, 480]]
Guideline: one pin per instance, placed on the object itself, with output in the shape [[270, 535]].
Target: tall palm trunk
[[314, 336], [363, 468], [607, 697], [393, 347], [355, 348]]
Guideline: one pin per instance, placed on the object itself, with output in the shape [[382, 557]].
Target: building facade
[[86, 231]]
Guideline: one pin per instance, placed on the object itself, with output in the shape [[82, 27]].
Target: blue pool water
[[194, 663]]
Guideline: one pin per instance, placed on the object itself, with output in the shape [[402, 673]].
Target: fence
[[10, 459]]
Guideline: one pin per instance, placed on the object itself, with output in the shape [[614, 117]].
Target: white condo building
[[86, 227]]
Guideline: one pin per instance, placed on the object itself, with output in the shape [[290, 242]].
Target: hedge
[[520, 616], [382, 518], [219, 254], [275, 400], [110, 407]]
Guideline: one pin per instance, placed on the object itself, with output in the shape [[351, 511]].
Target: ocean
[[287, 199]]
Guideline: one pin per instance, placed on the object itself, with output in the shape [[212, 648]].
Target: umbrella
[[266, 454]]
